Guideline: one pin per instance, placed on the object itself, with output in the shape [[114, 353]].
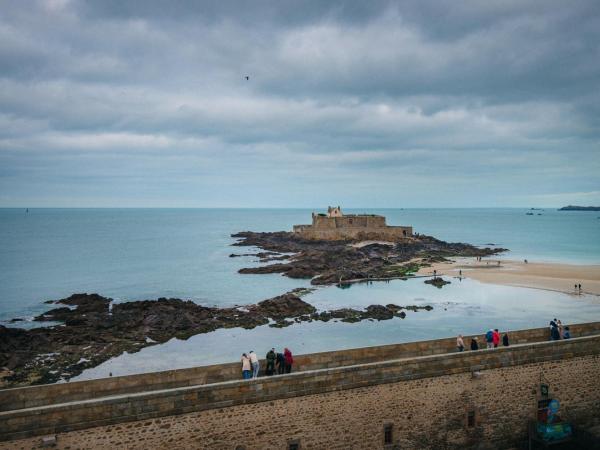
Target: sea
[[137, 254]]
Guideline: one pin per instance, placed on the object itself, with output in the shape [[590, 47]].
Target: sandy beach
[[537, 275]]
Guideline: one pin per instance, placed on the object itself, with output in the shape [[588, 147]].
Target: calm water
[[132, 254], [465, 306]]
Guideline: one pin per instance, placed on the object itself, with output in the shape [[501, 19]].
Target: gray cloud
[[126, 103]]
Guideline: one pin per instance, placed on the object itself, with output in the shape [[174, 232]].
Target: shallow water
[[466, 307]]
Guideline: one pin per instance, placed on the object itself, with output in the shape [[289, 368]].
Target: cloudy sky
[[385, 104]]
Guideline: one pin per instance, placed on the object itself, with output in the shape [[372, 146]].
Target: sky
[[363, 104]]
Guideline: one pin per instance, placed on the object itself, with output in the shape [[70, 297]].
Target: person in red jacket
[[289, 360], [496, 338]]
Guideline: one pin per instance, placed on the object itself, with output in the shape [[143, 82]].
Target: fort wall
[[425, 399], [338, 226]]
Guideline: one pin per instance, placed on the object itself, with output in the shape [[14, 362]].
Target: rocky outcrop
[[328, 262], [437, 282], [94, 332]]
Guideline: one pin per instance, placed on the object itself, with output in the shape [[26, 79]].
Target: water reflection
[[465, 307]]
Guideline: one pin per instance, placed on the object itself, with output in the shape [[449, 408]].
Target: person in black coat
[[280, 363], [474, 344], [505, 340]]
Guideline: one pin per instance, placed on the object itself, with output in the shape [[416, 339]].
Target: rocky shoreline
[[94, 329], [329, 262]]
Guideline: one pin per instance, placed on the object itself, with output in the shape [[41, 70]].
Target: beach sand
[[538, 275]]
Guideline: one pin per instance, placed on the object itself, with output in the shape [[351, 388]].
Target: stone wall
[[27, 397], [366, 227], [426, 399], [368, 233]]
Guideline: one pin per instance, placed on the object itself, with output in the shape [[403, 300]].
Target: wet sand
[[537, 275]]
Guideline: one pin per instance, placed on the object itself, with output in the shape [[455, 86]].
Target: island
[[580, 208]]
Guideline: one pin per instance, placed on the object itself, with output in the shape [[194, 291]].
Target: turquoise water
[[132, 254]]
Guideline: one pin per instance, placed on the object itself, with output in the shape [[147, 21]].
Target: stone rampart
[[32, 396], [576, 360]]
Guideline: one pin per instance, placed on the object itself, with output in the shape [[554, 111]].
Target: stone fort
[[338, 226], [416, 395]]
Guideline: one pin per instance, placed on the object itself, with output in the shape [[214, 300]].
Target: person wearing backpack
[[489, 338], [280, 363], [271, 362]]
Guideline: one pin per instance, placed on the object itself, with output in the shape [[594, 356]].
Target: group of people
[[492, 336], [558, 331], [277, 363], [492, 340]]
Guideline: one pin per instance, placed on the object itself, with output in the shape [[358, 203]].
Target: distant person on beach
[[280, 363], [289, 360], [579, 288], [246, 368], [460, 273], [489, 338], [496, 338], [525, 261], [474, 344], [460, 344], [505, 342], [255, 364], [271, 356], [567, 333]]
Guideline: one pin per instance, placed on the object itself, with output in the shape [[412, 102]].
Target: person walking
[[489, 338], [496, 338], [271, 356], [474, 344], [255, 363], [246, 368], [460, 344], [289, 360], [280, 359], [505, 340]]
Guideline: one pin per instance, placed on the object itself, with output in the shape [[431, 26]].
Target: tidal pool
[[465, 306]]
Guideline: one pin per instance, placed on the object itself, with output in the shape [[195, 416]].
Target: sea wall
[[426, 400], [27, 397], [367, 233]]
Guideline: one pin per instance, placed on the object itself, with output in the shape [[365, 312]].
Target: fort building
[[338, 226], [414, 395]]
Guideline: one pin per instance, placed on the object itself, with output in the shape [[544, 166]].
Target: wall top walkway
[[33, 396], [80, 414]]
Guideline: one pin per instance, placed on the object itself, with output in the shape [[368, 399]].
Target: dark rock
[[286, 305], [332, 262], [437, 282]]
